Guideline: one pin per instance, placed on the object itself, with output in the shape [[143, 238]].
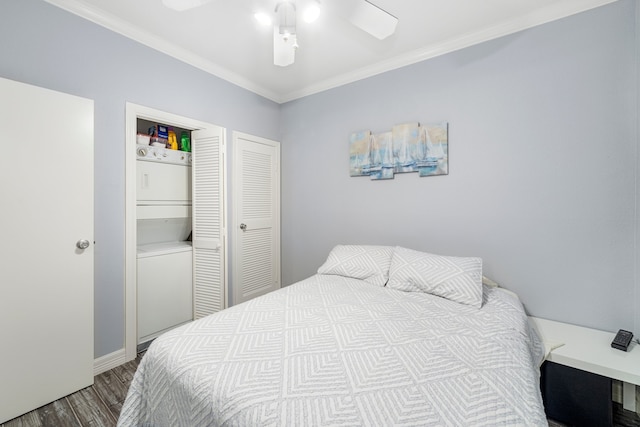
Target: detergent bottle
[[173, 140], [185, 142]]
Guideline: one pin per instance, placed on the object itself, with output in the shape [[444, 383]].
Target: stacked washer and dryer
[[164, 252]]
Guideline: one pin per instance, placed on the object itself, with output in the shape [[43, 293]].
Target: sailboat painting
[[382, 156], [408, 147], [433, 156], [405, 146], [360, 153]]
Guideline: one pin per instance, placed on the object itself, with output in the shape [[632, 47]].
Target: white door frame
[[235, 208], [134, 112]]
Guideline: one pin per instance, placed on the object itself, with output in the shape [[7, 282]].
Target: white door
[[46, 280], [256, 205], [209, 261]]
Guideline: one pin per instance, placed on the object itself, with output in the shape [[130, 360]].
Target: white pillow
[[368, 263], [455, 278]]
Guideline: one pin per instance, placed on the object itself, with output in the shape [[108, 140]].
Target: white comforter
[[338, 351]]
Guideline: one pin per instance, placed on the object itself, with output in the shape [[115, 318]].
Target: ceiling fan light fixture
[[286, 12], [312, 12], [284, 49], [263, 18]]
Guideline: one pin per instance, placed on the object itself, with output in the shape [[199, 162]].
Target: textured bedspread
[[338, 351]]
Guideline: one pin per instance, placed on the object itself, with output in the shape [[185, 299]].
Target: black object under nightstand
[[576, 397]]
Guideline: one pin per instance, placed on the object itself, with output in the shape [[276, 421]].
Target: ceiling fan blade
[[284, 51], [370, 18], [181, 5]]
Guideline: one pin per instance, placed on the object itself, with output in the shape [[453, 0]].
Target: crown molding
[[548, 14], [544, 16], [128, 30]]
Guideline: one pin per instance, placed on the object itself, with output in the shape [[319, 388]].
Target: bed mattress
[[332, 350]]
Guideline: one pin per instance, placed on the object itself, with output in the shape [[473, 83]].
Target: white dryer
[[165, 288]]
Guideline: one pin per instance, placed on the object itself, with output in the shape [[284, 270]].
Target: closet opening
[[175, 249]]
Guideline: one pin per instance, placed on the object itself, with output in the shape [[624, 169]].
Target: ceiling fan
[[361, 13]]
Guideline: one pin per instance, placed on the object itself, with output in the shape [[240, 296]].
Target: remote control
[[622, 340]]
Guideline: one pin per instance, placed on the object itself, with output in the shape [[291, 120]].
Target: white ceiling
[[222, 37]]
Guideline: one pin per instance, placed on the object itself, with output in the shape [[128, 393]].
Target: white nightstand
[[590, 350]]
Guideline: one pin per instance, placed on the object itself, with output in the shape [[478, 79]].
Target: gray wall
[[543, 154], [543, 162], [637, 138], [46, 46]]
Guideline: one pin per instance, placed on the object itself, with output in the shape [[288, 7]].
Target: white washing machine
[[163, 176], [164, 255]]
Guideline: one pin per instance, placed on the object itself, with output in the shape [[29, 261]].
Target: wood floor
[[95, 406], [100, 404]]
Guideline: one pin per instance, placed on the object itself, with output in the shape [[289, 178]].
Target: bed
[[380, 336]]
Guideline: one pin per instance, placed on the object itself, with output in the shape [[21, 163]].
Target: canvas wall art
[[408, 147]]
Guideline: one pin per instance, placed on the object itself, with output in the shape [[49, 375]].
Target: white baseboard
[[108, 361]]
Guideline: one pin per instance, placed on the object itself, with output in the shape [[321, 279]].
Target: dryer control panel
[[163, 155]]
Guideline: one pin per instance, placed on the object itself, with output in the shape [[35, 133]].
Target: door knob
[[243, 227], [82, 244]]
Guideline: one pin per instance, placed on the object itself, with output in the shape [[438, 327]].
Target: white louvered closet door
[[208, 221], [256, 201]]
